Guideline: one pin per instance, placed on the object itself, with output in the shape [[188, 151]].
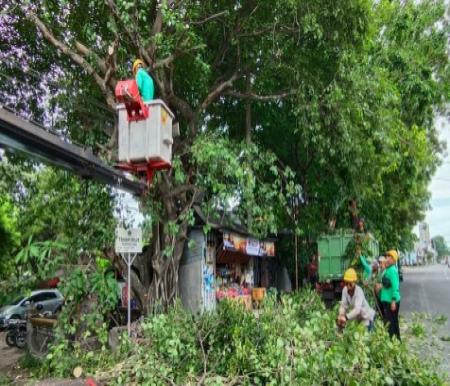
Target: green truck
[[333, 260]]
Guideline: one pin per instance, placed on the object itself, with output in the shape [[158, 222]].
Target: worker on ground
[[390, 293], [144, 81], [354, 305]]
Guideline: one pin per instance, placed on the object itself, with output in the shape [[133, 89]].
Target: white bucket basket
[[146, 140]]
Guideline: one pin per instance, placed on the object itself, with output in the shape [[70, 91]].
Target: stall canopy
[[237, 245]]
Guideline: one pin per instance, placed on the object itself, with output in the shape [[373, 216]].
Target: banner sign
[[249, 246], [128, 240]]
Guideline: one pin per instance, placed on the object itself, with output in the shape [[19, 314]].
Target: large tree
[[440, 246], [335, 89]]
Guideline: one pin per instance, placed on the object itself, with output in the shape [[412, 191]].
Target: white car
[[42, 300]]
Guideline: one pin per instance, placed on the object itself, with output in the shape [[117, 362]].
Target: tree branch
[[78, 59], [115, 12], [182, 189], [217, 91], [108, 66], [215, 16], [156, 28], [184, 107], [84, 51], [133, 35], [178, 52], [256, 97]]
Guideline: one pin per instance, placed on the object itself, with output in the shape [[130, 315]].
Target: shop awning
[[231, 257], [234, 242]]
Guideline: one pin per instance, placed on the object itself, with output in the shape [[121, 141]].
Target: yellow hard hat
[[136, 63], [350, 275], [393, 253]]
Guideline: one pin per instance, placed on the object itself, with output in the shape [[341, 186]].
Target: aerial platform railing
[[21, 135]]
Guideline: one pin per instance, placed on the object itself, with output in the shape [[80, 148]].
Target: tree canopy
[[290, 108], [440, 246]]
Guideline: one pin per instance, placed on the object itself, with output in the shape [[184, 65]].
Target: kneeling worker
[[144, 81], [354, 304]]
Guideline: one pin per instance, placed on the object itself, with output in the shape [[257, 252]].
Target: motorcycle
[[17, 333]]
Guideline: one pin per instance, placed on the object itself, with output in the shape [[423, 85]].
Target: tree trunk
[[154, 275]]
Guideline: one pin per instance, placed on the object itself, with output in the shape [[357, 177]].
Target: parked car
[[49, 300]]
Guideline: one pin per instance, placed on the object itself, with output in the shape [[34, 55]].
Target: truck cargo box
[[332, 253]]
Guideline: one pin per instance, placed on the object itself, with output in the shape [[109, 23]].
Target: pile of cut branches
[[289, 342]]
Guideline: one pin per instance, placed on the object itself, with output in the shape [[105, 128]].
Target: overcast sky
[[438, 217]]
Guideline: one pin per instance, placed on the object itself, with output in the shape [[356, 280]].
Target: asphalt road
[[427, 290]]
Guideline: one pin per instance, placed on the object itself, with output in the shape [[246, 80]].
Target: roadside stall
[[239, 274], [225, 263]]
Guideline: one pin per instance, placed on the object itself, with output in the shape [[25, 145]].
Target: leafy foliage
[[440, 245], [292, 342], [63, 221], [239, 178], [90, 296], [9, 235], [342, 93], [359, 245]]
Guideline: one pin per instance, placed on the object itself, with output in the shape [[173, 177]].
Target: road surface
[[427, 290]]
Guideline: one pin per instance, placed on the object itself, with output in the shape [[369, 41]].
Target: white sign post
[[128, 245]]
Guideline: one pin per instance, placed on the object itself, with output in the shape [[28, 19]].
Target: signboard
[[128, 240], [249, 246]]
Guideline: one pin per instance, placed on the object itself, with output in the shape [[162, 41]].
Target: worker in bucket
[[390, 293], [354, 305], [144, 81]]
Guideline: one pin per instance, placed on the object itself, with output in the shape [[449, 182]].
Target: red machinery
[[127, 92], [146, 169]]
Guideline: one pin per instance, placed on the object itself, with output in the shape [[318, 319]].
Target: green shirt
[[393, 292], [145, 85], [367, 268]]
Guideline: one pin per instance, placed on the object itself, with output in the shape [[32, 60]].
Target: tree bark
[[248, 114]]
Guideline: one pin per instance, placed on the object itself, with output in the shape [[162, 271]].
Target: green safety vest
[[393, 292], [145, 85]]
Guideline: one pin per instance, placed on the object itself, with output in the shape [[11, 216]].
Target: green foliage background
[[365, 80], [440, 246]]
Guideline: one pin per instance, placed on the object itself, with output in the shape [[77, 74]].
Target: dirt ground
[[12, 374], [9, 360]]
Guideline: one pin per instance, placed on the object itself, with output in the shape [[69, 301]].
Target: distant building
[[410, 258], [424, 236], [424, 247]]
